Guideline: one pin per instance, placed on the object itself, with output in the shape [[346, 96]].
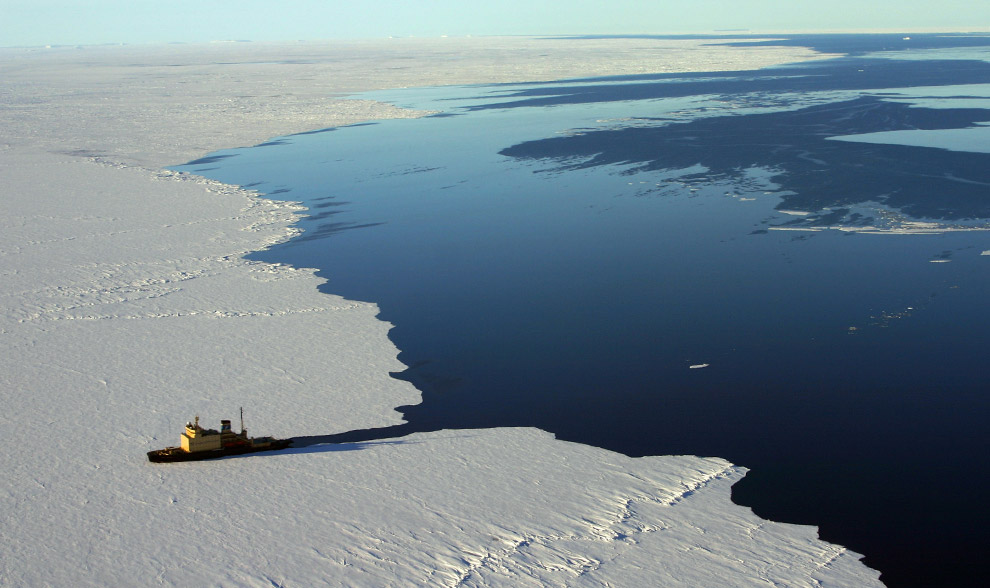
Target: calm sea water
[[565, 255]]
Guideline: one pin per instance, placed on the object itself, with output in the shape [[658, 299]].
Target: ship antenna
[[242, 420]]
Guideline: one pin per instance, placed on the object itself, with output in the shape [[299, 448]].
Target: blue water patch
[[688, 264]]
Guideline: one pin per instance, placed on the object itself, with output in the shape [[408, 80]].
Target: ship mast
[[243, 431]]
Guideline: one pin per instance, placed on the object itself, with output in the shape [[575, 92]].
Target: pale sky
[[72, 22]]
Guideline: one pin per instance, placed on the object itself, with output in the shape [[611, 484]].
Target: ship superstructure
[[197, 443]]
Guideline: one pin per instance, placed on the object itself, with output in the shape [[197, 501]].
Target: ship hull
[[173, 454]]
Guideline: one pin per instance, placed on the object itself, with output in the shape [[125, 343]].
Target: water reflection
[[813, 172]]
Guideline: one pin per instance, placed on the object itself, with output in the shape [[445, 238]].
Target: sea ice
[[126, 308]]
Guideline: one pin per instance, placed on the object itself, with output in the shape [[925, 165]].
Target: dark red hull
[[173, 454]]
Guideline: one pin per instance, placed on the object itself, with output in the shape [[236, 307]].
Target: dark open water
[[558, 255]]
